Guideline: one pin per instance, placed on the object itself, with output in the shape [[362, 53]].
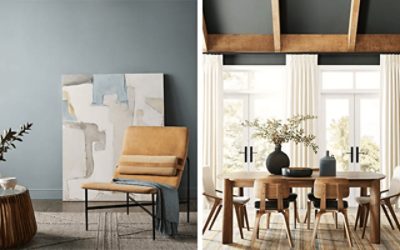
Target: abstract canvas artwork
[[96, 111]]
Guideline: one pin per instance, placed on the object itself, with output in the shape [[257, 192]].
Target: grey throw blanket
[[167, 205]]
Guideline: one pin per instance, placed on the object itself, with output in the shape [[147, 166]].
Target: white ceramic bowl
[[8, 182]]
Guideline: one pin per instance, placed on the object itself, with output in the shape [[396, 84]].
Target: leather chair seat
[[330, 204], [273, 204]]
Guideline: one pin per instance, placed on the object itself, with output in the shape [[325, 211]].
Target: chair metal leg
[[153, 215], [86, 210], [127, 203], [188, 192]]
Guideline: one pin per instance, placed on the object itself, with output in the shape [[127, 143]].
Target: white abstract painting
[[96, 111]]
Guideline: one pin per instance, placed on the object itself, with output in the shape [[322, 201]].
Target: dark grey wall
[[42, 39], [301, 17]]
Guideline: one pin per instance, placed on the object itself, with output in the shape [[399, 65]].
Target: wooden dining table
[[357, 179]]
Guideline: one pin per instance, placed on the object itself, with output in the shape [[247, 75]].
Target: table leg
[[227, 227], [375, 222], [363, 192]]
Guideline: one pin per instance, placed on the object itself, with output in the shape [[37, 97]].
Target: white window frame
[[227, 93], [338, 92]]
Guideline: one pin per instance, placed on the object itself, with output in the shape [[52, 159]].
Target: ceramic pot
[[327, 165], [277, 160]]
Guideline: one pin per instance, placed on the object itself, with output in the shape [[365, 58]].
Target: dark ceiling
[[301, 16]]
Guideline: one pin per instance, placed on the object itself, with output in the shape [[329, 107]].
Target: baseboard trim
[[45, 194]]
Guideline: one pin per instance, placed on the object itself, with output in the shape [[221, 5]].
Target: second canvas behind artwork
[[96, 110]]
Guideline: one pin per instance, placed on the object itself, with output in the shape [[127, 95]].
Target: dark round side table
[[17, 219]]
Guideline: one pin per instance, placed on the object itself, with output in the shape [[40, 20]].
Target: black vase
[[277, 160]]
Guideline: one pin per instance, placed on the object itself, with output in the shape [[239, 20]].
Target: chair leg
[[86, 210], [246, 217], [387, 216], [365, 221], [256, 229], [316, 223], [215, 205], [215, 217], [238, 217], [153, 215], [335, 217], [127, 203], [387, 202], [347, 228], [267, 220], [295, 214], [287, 228], [357, 217], [308, 215]]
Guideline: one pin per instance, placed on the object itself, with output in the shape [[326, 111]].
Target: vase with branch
[[278, 132], [9, 137]]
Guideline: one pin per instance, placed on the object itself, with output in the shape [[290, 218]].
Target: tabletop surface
[[9, 192], [350, 175]]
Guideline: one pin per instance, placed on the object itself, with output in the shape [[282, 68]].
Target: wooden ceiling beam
[[353, 23], [276, 25], [302, 43], [205, 35]]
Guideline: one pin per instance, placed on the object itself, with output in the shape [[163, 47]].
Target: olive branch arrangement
[[278, 132], [9, 137]]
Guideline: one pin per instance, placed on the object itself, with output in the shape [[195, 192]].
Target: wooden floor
[[328, 237]]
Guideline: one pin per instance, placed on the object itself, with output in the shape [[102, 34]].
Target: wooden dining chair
[[215, 197], [388, 199], [311, 200], [274, 196], [330, 193]]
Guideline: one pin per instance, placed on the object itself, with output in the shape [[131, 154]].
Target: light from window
[[367, 80], [269, 80], [235, 80], [337, 80]]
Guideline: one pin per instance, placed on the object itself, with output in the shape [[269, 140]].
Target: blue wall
[[40, 40]]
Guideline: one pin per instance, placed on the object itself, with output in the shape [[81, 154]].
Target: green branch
[[9, 137]]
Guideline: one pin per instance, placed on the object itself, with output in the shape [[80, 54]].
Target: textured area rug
[[108, 230]]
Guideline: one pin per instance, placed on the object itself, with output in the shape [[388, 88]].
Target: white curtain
[[390, 127], [211, 113], [303, 90]]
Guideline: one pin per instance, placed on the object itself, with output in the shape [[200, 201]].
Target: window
[[350, 116], [250, 92]]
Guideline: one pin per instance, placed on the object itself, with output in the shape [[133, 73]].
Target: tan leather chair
[[145, 141]]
